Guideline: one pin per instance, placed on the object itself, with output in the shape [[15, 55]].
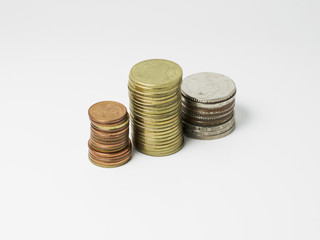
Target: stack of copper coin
[[155, 105], [109, 143], [208, 101]]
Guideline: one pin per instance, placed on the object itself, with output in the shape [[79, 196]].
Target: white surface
[[59, 57]]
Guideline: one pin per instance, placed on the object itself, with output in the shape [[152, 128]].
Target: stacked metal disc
[[155, 105], [109, 143], [208, 101]]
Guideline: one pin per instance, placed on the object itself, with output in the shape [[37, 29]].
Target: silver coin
[[208, 87], [202, 137], [209, 129], [206, 112], [206, 118], [192, 103], [207, 133]]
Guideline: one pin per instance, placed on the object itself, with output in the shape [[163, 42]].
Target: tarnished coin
[[207, 122], [209, 137], [212, 129]]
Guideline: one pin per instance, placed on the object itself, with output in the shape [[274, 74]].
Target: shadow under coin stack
[[109, 144], [155, 105], [208, 101]]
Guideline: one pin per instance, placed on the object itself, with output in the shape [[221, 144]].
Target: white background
[[59, 57]]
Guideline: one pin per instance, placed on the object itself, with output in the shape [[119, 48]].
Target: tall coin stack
[[109, 144], [208, 101], [155, 105]]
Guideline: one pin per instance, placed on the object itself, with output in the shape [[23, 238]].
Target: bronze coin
[[107, 112], [114, 130], [109, 160], [107, 148], [113, 126], [108, 135], [109, 141], [113, 159], [109, 165], [114, 155]]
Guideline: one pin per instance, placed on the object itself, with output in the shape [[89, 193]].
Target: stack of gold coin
[[155, 106], [109, 143], [208, 101]]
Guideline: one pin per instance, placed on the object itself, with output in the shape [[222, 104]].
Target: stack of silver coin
[[208, 101]]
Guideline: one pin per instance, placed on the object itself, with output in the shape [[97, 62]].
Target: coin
[[161, 153], [208, 101], [155, 106], [195, 128], [156, 74], [210, 137], [107, 112], [107, 162], [208, 87], [109, 143]]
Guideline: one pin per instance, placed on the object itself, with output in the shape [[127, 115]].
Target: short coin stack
[[155, 105], [109, 144], [208, 101]]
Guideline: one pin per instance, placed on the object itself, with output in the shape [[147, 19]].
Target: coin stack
[[155, 106], [109, 144], [208, 101]]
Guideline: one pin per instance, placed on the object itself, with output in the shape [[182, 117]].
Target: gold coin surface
[[156, 73]]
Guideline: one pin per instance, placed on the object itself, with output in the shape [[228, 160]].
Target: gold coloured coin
[[155, 106], [156, 74]]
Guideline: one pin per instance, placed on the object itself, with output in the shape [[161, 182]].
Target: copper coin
[[107, 135], [111, 160], [111, 137], [113, 126], [111, 156], [114, 130], [109, 165], [107, 112], [109, 141], [107, 148]]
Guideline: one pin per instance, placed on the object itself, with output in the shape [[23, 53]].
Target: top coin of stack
[[155, 105], [208, 101], [109, 145]]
